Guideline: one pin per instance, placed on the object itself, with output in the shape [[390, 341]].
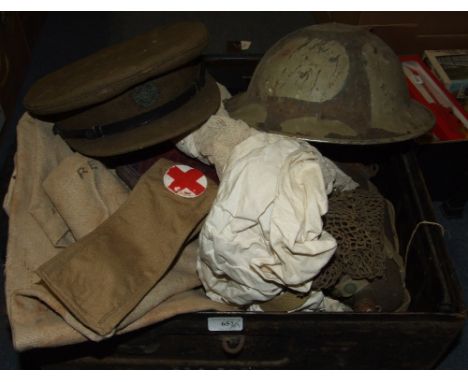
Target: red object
[[447, 126], [131, 173], [187, 180]]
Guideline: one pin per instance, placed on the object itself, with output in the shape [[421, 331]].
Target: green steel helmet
[[332, 83]]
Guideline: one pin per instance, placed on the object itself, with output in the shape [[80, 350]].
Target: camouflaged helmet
[[332, 83]]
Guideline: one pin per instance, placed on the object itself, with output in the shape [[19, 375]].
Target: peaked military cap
[[131, 95]]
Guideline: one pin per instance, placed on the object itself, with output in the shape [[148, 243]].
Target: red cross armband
[[185, 181]]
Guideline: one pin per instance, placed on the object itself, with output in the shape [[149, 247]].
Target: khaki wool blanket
[[44, 222]]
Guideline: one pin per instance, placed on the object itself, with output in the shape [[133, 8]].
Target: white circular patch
[[185, 181]]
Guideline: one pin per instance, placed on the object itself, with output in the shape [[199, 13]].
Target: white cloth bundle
[[264, 230]]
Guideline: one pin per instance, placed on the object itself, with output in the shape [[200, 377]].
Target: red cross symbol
[[190, 183]]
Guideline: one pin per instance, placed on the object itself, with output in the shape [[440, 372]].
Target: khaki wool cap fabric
[[188, 116], [131, 95]]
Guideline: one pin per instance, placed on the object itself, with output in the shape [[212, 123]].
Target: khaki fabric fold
[[30, 244], [180, 280], [186, 302], [102, 277], [37, 318], [40, 326], [47, 151]]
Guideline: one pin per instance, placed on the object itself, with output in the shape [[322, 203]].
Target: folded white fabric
[[264, 231]]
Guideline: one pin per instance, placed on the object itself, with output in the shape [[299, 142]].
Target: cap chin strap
[[139, 120]]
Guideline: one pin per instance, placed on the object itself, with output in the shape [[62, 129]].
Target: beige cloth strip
[[84, 192], [102, 277]]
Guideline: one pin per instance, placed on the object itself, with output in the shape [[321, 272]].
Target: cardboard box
[[451, 66], [408, 32]]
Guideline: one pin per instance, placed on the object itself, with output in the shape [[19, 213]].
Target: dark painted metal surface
[[413, 340], [312, 341]]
